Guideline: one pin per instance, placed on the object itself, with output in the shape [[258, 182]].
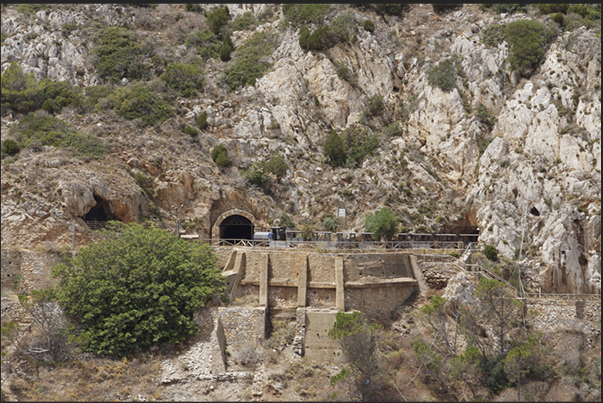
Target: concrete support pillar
[[239, 269], [302, 281], [264, 262], [418, 273], [339, 290]]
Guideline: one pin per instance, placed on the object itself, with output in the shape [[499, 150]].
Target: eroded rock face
[[460, 291], [531, 181]]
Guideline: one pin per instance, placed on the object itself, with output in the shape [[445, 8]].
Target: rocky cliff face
[[529, 181]]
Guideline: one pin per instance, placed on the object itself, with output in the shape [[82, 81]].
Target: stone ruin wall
[[23, 271], [283, 273]]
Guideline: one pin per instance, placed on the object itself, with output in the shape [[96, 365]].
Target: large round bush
[[137, 288]]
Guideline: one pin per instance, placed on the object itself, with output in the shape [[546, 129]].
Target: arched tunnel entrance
[[101, 211], [236, 227]]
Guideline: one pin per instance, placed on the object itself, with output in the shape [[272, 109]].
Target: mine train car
[[365, 240]]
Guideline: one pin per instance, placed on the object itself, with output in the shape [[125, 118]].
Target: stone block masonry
[[317, 285], [372, 282], [318, 345], [23, 271]]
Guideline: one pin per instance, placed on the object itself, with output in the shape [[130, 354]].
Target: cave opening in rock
[[100, 212], [236, 227]]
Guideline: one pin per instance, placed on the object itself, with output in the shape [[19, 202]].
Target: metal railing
[[566, 297], [334, 245], [493, 276], [95, 225]]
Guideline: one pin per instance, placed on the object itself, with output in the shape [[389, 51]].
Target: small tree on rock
[[382, 223]]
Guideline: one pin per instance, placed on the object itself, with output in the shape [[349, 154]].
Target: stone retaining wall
[[243, 325], [558, 314], [25, 271]]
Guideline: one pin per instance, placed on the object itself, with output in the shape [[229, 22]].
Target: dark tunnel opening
[[236, 227], [100, 212]]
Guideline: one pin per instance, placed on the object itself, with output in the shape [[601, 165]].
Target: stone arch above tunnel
[[215, 232]]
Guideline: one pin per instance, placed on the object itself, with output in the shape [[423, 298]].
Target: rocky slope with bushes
[[437, 118], [455, 117]]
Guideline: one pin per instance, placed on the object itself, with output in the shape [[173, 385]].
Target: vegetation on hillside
[[351, 147], [137, 288], [248, 63], [381, 223], [119, 55], [23, 93], [478, 368], [41, 129]]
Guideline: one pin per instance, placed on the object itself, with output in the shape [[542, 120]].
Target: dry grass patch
[[94, 379]]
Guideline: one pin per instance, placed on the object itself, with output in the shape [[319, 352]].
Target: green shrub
[[187, 79], [217, 18], [553, 8], [299, 14], [94, 94], [140, 102], [359, 143], [348, 75], [196, 8], [491, 253], [14, 79], [220, 156], [558, 18], [202, 121], [278, 166], [493, 35], [243, 21], [527, 40], [307, 230], [43, 129], [19, 90], [351, 148], [10, 147], [586, 11], [226, 48], [22, 93], [119, 55], [390, 9], [445, 8], [376, 105], [191, 131], [256, 175], [334, 149], [492, 369], [484, 117], [304, 37], [40, 128], [322, 38], [287, 222], [509, 8], [85, 145], [330, 222], [137, 288], [207, 44], [58, 94], [393, 130], [381, 223], [443, 76], [369, 26], [247, 65]]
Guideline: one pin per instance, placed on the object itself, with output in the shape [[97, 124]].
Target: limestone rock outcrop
[[518, 157]]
